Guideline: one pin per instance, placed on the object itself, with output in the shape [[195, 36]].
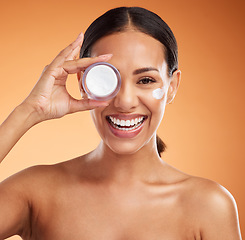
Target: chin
[[128, 146], [124, 148]]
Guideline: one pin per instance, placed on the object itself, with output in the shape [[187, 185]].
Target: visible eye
[[146, 80]]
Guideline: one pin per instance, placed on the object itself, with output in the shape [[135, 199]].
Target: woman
[[122, 189]]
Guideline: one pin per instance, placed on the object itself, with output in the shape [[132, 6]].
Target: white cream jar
[[101, 81]]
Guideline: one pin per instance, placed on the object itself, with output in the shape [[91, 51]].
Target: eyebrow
[[145, 69]]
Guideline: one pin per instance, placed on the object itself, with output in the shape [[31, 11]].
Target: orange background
[[203, 128]]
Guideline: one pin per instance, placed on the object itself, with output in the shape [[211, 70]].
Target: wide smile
[[126, 126]]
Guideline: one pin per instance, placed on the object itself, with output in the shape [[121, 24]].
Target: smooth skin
[[122, 190]]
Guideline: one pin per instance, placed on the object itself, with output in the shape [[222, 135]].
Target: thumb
[[85, 104]]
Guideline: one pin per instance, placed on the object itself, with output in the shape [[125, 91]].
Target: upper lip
[[126, 116]]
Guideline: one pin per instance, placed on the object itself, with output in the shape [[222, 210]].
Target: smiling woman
[[128, 19], [143, 69], [122, 189]]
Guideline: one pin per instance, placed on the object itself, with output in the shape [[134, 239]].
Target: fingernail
[[106, 56], [79, 36]]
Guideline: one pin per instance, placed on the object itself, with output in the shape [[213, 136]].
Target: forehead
[[132, 45]]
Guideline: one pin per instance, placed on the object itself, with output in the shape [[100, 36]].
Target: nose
[[126, 99]]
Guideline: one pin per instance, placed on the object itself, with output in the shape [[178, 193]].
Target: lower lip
[[125, 134]]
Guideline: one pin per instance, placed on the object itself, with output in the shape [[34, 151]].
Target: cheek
[[155, 100], [159, 93]]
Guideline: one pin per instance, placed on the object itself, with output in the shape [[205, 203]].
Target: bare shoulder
[[37, 176], [202, 193], [214, 207], [210, 194], [44, 176], [25, 192]]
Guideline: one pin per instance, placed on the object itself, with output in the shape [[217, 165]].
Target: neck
[[144, 165]]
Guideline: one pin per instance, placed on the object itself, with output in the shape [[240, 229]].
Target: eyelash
[[150, 80]]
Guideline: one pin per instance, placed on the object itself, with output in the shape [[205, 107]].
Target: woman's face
[[131, 119]]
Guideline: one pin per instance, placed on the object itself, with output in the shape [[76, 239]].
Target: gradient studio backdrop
[[203, 128]]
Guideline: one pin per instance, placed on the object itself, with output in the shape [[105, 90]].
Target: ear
[[173, 86]]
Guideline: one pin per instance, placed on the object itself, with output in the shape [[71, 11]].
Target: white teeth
[[123, 123], [130, 124], [126, 129]]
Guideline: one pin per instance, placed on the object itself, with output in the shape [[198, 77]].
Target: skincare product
[[101, 81], [158, 93]]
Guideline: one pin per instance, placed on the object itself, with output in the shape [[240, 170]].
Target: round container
[[101, 81]]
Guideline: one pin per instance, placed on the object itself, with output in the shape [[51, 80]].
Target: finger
[[74, 54], [61, 57], [85, 104], [82, 63], [68, 50], [83, 93]]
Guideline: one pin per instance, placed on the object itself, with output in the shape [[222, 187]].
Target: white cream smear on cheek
[[158, 93]]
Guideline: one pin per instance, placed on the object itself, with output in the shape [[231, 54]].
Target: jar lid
[[101, 81]]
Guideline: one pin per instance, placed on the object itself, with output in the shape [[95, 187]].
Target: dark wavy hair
[[122, 18]]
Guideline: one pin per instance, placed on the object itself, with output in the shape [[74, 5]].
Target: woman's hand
[[49, 98]]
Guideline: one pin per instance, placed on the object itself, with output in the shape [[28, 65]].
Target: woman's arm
[[14, 127], [49, 98]]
